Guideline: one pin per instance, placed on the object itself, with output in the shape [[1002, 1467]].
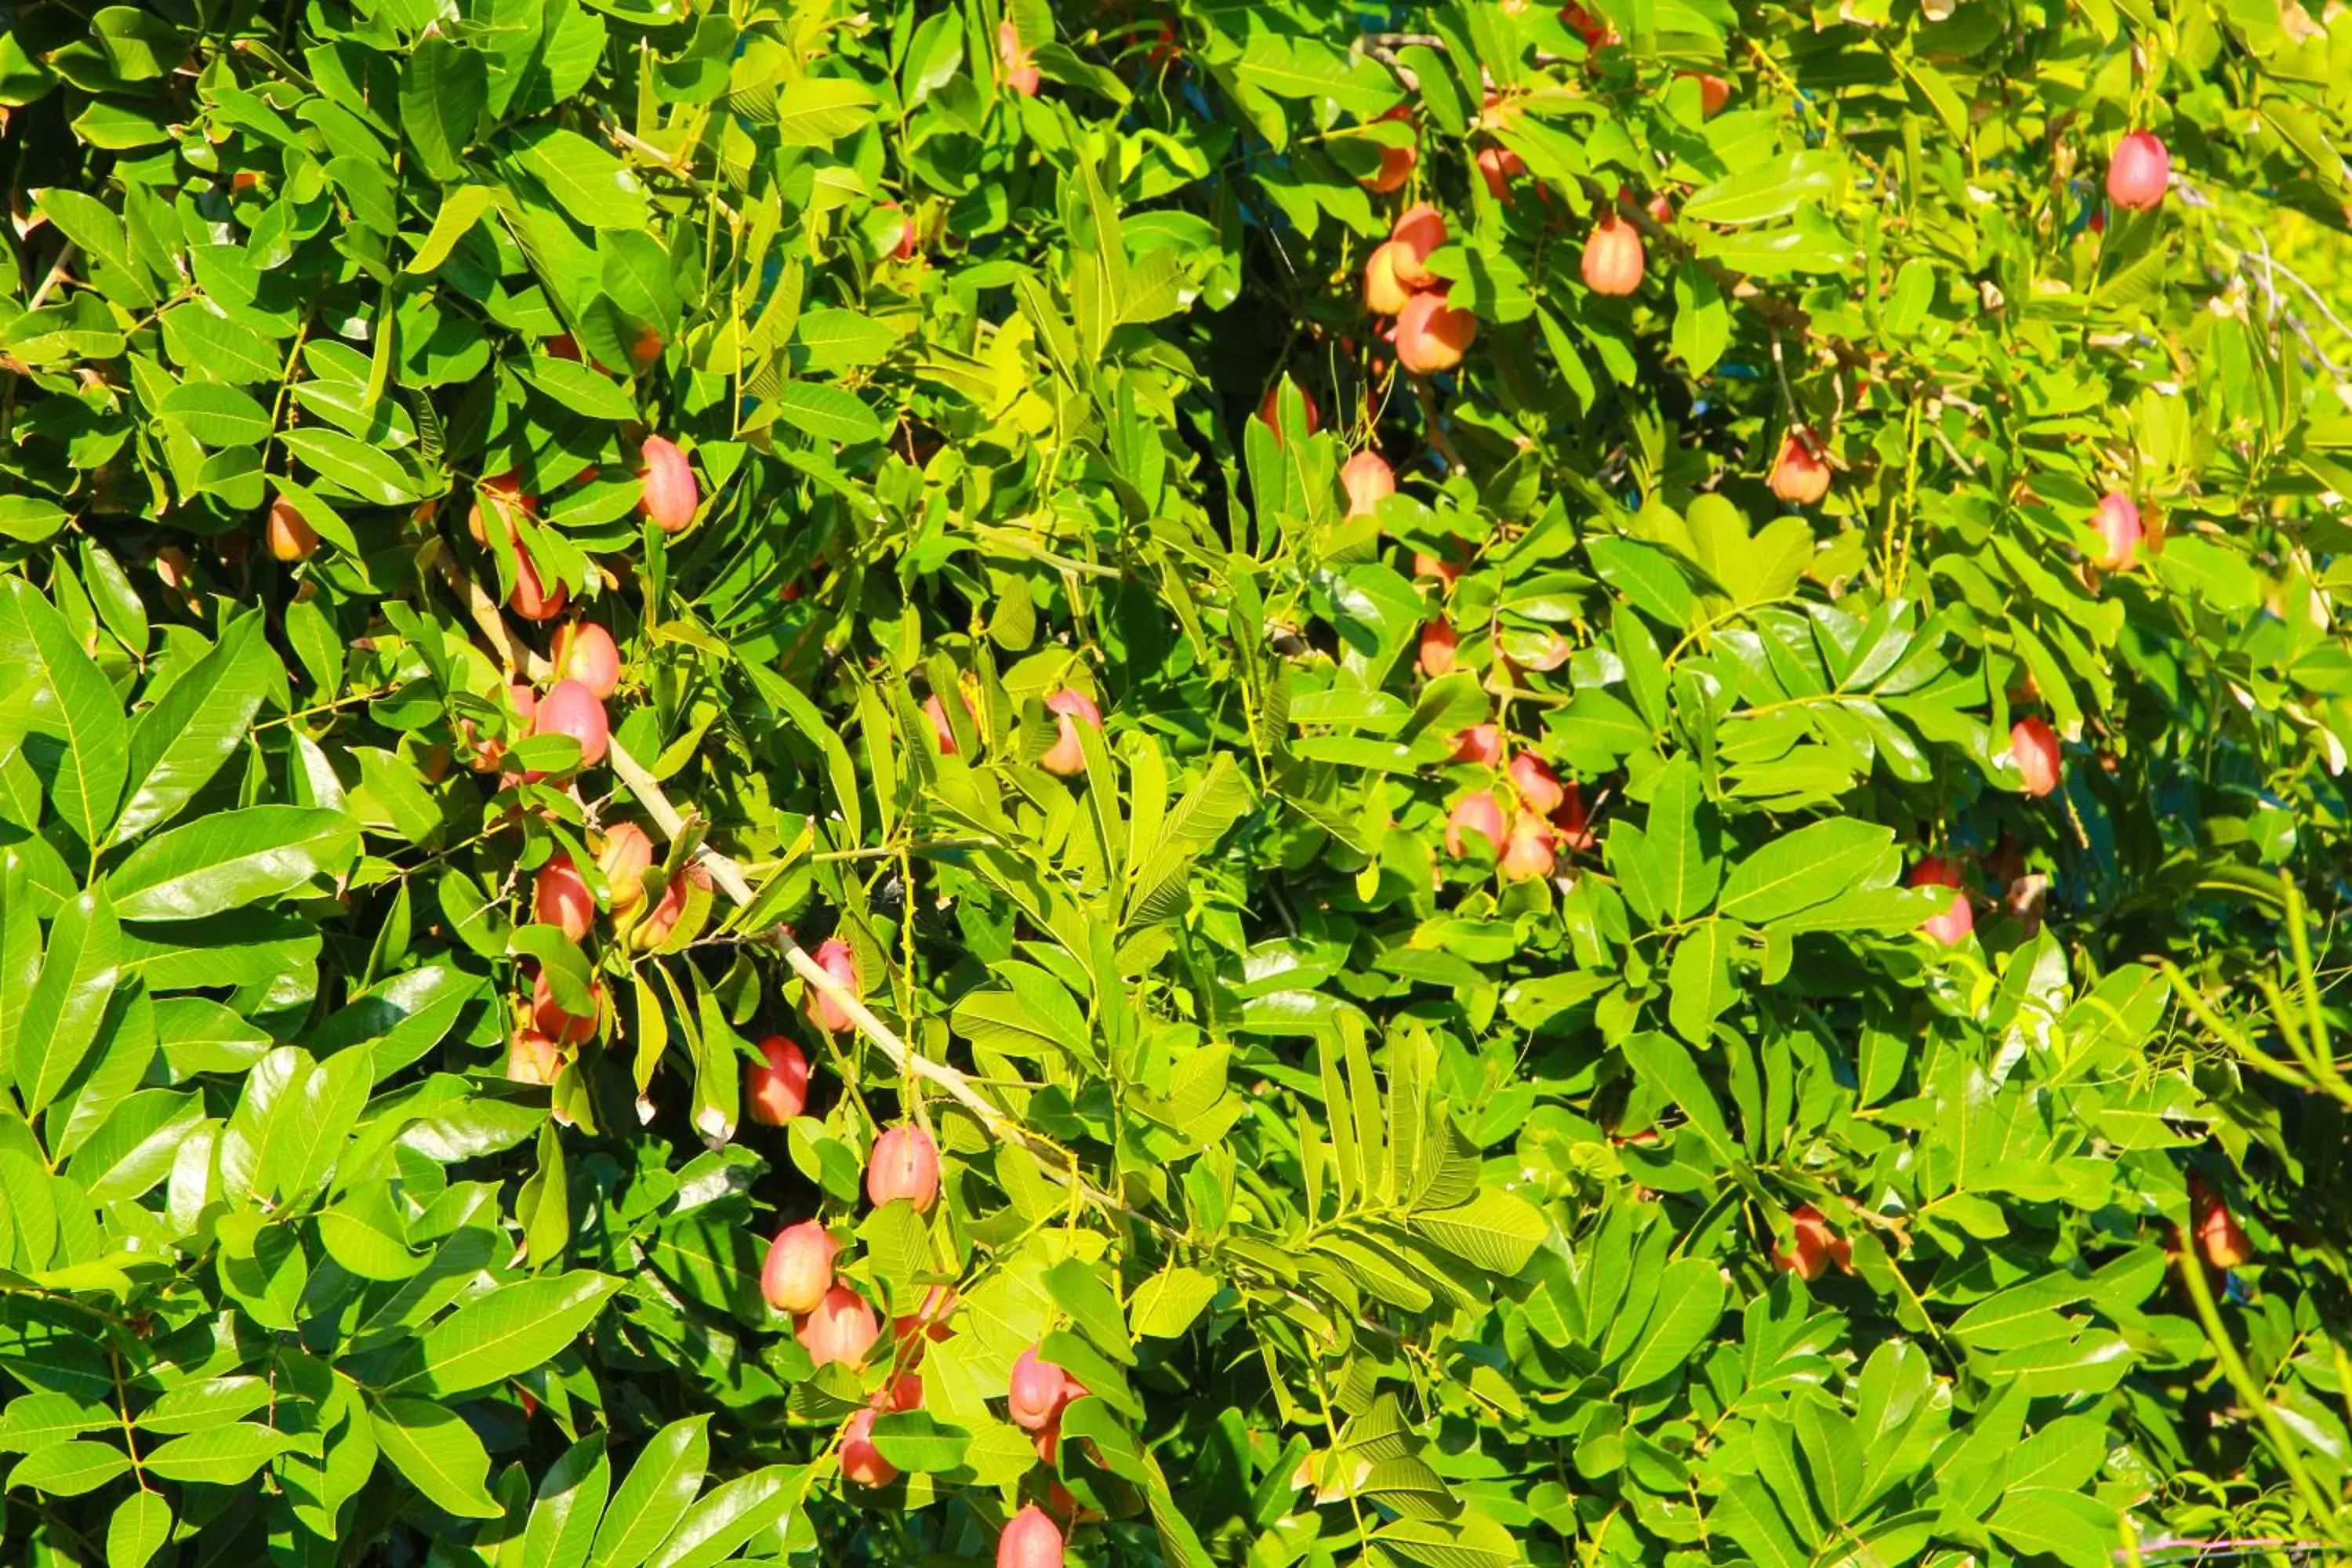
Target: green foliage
[[1635, 1182]]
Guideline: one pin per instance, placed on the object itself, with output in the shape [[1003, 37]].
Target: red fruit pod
[[1269, 409], [1445, 568], [290, 538], [1814, 1246], [532, 599], [1067, 756], [929, 1320], [798, 1271], [565, 1029], [1799, 476], [2034, 746], [835, 958], [2119, 532], [584, 652], [1476, 813], [1036, 1391], [2140, 172], [776, 1091], [1531, 851], [1384, 293], [1365, 479], [662, 918], [532, 1058], [625, 858], [670, 494], [1498, 166], [1952, 925], [840, 1328], [1539, 787], [1480, 745], [1021, 73], [560, 897], [861, 1461], [1714, 93], [905, 1164], [1419, 231], [1395, 168], [1032, 1539], [2219, 1235], [1613, 257], [903, 1391], [1575, 826], [1431, 335], [570, 708], [1438, 643]]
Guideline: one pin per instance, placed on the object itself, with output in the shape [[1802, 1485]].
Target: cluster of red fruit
[[668, 498], [1070, 708], [1544, 816], [1430, 335]]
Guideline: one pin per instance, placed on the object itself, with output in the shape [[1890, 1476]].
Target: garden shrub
[[1173, 784]]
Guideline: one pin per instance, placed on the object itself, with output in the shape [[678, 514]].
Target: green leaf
[[230, 859], [827, 412], [453, 219], [69, 1469], [568, 1503], [433, 1446], [444, 88], [220, 1455], [817, 112], [1770, 190], [351, 466], [735, 1513], [1690, 1303], [914, 1441], [78, 978], [1810, 866], [179, 744], [1496, 1230], [140, 1526], [660, 1484], [1665, 1063], [218, 415], [591, 185], [1164, 1305], [68, 703], [510, 1331], [2076, 1529], [579, 388]]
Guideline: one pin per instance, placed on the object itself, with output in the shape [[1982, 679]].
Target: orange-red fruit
[[1396, 168], [1383, 294], [585, 653], [532, 1058], [840, 1327], [903, 1391], [628, 855], [835, 957], [1031, 1541], [777, 1090], [1419, 231], [1020, 70], [531, 598], [799, 1269], [1068, 757], [2139, 171], [1530, 853], [1575, 827], [1613, 257], [1432, 336], [565, 1029], [1481, 745], [905, 1164], [662, 918], [1035, 1394], [1952, 926], [670, 494], [560, 897], [1801, 477], [1445, 568], [1437, 645], [290, 538], [2222, 1239], [861, 1461], [1366, 477], [1714, 93], [2119, 531], [1539, 786], [570, 708], [1498, 166], [1813, 1245], [2035, 746], [1478, 812], [944, 733]]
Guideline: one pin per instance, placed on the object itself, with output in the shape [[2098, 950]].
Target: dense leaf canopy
[[1451, 785]]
